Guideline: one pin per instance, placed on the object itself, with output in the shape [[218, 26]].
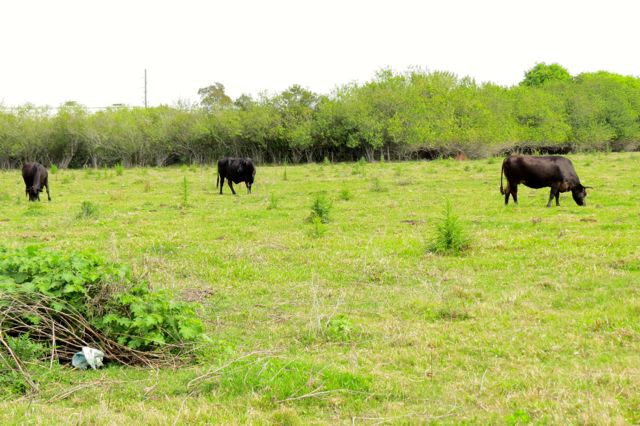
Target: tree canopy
[[542, 73], [412, 114]]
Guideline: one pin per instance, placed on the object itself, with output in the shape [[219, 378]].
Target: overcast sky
[[95, 52]]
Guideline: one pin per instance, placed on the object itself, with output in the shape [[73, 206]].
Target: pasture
[[355, 321]]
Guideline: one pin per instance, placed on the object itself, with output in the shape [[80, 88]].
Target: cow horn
[[590, 187]]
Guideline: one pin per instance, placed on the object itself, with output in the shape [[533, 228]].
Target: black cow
[[539, 172], [35, 177], [236, 170]]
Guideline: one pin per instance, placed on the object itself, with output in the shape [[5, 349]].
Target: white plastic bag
[[89, 357]]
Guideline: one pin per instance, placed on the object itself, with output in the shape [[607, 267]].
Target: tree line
[[395, 115]]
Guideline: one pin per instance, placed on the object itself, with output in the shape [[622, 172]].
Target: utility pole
[[145, 88]]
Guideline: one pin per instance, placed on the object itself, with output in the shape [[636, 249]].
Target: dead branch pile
[[66, 331]]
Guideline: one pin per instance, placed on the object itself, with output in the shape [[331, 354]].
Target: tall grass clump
[[185, 192], [119, 169], [273, 202], [53, 169], [451, 238], [87, 210]]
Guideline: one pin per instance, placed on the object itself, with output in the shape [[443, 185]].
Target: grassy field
[[355, 321]]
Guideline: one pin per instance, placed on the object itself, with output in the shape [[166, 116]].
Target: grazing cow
[[236, 170], [35, 177], [539, 172]]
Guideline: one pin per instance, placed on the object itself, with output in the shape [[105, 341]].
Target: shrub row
[[415, 114]]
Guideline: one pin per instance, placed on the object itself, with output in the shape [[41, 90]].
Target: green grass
[[538, 320]]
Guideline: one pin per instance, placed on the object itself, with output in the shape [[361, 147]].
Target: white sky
[[95, 52]]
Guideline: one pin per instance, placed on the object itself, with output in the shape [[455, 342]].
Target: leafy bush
[[450, 235], [105, 294]]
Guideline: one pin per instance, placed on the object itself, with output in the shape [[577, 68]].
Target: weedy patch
[[339, 329], [376, 186], [278, 380], [88, 210]]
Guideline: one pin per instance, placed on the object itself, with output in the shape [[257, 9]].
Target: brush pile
[[59, 302]]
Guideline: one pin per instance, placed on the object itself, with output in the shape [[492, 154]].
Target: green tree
[[70, 133], [542, 73], [214, 97], [296, 106]]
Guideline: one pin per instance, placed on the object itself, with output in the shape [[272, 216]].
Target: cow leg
[[221, 183], [514, 194], [46, 185], [231, 186], [558, 198], [554, 192]]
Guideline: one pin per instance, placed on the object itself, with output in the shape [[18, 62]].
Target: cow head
[[579, 193], [33, 193]]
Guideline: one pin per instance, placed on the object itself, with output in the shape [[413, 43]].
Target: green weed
[[320, 209], [88, 210], [450, 235], [345, 194]]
